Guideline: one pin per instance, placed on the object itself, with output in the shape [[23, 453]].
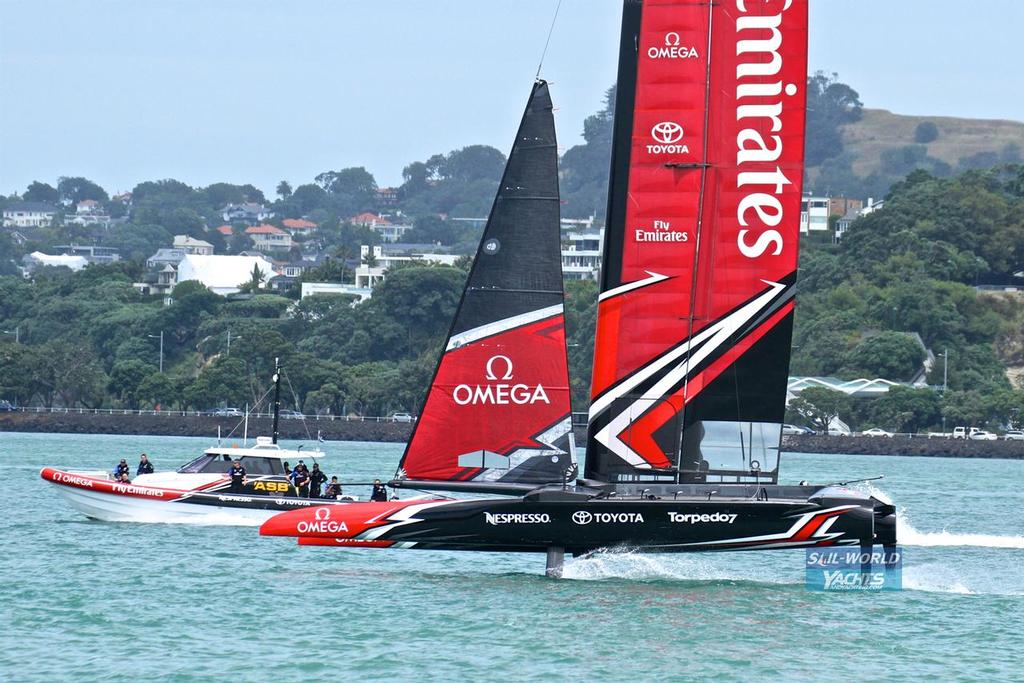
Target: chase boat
[[199, 489]]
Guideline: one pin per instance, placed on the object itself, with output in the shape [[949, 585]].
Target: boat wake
[[637, 566], [210, 519], [908, 535]]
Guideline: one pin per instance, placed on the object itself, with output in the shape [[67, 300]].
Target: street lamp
[[16, 333], [229, 342], [161, 338]]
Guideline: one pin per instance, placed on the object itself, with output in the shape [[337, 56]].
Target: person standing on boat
[[237, 474], [317, 478], [145, 466], [300, 480], [380, 492]]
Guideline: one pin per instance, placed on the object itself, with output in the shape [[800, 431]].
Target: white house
[[28, 215], [269, 238], [223, 274], [813, 214], [388, 231], [38, 258], [581, 253], [249, 213], [190, 245], [369, 275], [311, 288]]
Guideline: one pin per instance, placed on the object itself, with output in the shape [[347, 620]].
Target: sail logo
[[702, 519], [582, 517], [322, 524], [496, 518], [759, 111], [663, 232], [500, 390], [671, 49], [667, 134]]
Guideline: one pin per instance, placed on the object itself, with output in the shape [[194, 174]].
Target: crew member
[[122, 468], [316, 479], [145, 466], [300, 480], [237, 474], [380, 492], [333, 489], [287, 470], [123, 479]]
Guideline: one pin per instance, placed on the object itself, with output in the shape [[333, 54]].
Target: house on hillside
[[28, 214], [249, 213], [164, 257], [388, 231], [581, 253], [269, 238], [814, 213], [225, 230], [88, 212], [387, 195], [224, 274], [383, 257], [190, 245], [91, 253], [298, 226], [38, 259]]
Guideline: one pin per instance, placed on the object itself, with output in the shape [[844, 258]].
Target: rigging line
[[254, 409], [551, 30], [295, 397], [697, 236]]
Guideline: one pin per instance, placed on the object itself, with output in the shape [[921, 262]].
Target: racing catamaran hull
[[579, 521]]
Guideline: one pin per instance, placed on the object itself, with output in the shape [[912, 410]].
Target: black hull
[[580, 520]]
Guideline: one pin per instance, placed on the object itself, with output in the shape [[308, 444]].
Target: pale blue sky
[[122, 91]]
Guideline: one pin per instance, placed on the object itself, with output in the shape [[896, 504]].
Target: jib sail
[[695, 315], [498, 408]]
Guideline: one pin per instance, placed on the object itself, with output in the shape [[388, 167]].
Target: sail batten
[[497, 412], [695, 315]]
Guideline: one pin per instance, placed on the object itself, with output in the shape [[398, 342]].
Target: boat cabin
[[265, 458]]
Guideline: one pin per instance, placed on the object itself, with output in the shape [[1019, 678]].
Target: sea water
[[119, 601]]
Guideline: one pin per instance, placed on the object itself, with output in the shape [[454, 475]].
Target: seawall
[[168, 424]]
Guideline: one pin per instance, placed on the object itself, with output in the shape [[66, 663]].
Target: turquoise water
[[90, 600]]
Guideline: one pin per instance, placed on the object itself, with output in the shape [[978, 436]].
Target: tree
[[830, 104], [820, 406], [160, 389], [74, 190], [284, 189], [431, 229], [350, 190], [926, 132], [126, 377], [255, 281], [41, 192], [892, 355]]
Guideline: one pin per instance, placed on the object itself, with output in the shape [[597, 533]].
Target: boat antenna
[[548, 41], [277, 395]]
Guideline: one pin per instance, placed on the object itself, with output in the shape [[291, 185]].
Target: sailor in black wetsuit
[[380, 492], [145, 466], [333, 489], [300, 480], [316, 479], [237, 474]]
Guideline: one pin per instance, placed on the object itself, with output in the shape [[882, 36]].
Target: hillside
[[879, 130]]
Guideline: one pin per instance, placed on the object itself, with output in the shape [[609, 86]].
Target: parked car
[[7, 407], [292, 415], [795, 430], [223, 412], [875, 431], [402, 417], [1014, 435], [982, 435]]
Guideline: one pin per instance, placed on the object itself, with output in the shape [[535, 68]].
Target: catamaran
[[198, 489], [693, 331]]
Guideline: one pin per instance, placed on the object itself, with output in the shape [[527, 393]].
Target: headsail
[[498, 408], [695, 315]]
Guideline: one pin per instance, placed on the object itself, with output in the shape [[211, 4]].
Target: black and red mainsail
[[696, 310], [498, 408]]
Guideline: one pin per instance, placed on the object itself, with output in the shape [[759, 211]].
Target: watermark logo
[[851, 569]]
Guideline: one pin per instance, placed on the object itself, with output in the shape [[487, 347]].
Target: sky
[[203, 91]]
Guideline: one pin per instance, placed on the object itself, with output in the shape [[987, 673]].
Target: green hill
[[879, 130]]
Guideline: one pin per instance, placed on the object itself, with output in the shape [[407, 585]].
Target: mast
[[695, 315], [277, 396], [498, 411]]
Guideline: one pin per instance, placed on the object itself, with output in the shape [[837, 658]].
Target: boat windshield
[[218, 463]]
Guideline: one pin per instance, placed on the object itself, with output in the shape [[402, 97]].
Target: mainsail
[[498, 408], [696, 309]]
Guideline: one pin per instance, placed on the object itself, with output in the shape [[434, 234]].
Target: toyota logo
[[582, 517], [667, 132]]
